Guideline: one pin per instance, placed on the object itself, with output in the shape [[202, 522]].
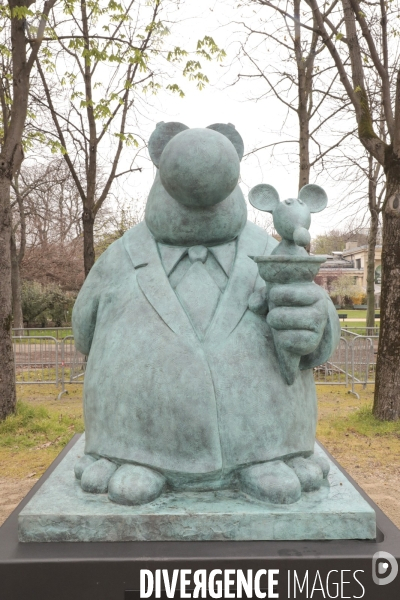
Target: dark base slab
[[111, 571]]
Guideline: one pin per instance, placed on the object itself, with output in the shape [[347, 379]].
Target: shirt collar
[[225, 255], [171, 255]]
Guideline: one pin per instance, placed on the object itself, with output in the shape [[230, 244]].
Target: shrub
[[43, 303]]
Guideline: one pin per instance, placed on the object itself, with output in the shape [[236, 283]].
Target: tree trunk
[[387, 386], [7, 371], [88, 239], [373, 232], [18, 321], [303, 84], [304, 151]]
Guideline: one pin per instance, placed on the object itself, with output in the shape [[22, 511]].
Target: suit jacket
[[155, 395]]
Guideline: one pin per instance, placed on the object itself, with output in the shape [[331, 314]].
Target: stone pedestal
[[61, 512]]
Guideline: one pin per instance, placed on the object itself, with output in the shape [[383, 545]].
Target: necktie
[[198, 292]]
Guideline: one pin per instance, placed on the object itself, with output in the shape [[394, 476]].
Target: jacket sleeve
[[330, 340], [84, 313]]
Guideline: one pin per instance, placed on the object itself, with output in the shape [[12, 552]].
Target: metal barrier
[[363, 360], [354, 361], [46, 360], [336, 370], [36, 359], [350, 334], [73, 364]]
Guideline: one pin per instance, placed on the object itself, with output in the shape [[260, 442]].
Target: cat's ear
[[163, 133], [229, 131]]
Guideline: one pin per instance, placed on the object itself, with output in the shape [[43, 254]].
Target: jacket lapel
[[234, 302], [153, 281], [142, 249]]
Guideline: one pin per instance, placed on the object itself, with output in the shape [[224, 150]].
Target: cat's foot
[[281, 482], [96, 475], [132, 484], [82, 463], [273, 482], [127, 484], [311, 471]]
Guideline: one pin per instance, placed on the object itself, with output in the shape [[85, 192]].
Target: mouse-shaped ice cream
[[292, 217], [288, 263], [183, 388]]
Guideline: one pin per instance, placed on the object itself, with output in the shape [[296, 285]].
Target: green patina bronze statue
[[201, 334]]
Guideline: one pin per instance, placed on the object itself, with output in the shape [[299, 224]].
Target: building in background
[[351, 261]]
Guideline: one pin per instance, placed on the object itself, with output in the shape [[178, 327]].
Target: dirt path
[[12, 491], [384, 489]]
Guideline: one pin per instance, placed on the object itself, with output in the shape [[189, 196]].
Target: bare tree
[[109, 67], [365, 46], [47, 228], [362, 204], [17, 253], [45, 213], [14, 105], [298, 76], [307, 83], [366, 57], [335, 240]]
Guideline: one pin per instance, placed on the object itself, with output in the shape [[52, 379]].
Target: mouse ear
[[229, 131], [314, 197], [163, 133], [264, 197]]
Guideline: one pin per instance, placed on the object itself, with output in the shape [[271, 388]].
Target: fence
[[36, 359], [351, 332], [73, 364], [47, 360], [336, 370], [55, 332], [363, 360], [353, 362]]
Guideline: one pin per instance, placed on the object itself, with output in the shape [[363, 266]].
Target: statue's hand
[[258, 301], [299, 312]]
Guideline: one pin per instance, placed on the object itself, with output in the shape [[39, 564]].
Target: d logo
[[384, 568]]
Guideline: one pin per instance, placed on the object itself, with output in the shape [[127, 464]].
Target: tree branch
[[383, 73], [286, 14], [270, 145], [356, 94], [48, 5], [60, 132]]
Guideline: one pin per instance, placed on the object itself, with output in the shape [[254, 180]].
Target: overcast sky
[[259, 123]]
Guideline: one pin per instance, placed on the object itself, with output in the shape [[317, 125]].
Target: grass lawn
[[357, 325], [349, 431], [354, 314], [59, 334], [32, 438]]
